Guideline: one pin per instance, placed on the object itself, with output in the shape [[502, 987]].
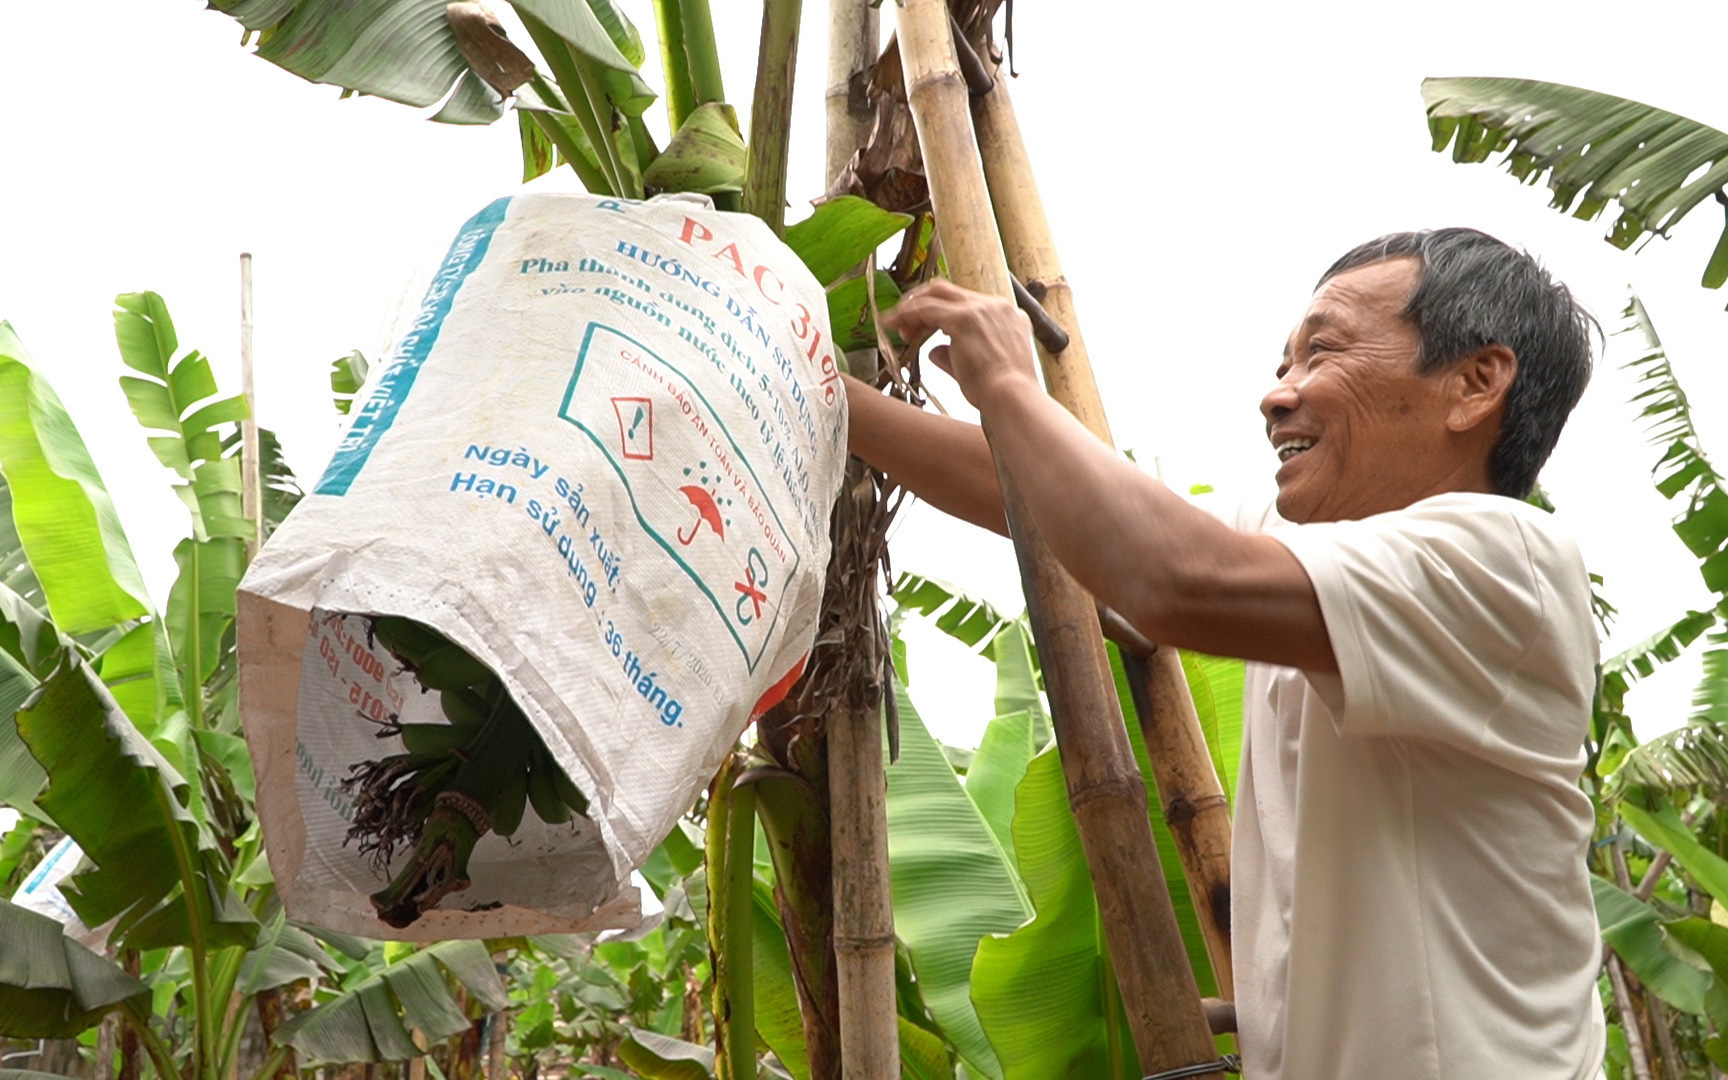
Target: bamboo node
[[1104, 789], [855, 942], [1180, 810]]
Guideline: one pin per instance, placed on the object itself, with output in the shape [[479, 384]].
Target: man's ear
[[1480, 383]]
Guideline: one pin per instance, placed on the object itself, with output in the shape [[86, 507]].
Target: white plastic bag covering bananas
[[601, 459]]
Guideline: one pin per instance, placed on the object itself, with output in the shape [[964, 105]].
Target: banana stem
[[740, 927], [439, 865], [680, 98]]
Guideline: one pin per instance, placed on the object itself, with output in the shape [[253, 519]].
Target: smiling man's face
[[1358, 431]]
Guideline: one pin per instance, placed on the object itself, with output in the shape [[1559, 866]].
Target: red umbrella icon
[[706, 510]]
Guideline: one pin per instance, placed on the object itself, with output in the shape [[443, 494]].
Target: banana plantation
[[845, 894]]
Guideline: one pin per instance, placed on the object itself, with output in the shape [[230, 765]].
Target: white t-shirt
[[1409, 893]]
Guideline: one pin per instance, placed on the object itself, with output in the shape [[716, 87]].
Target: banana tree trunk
[[792, 802], [1194, 802], [1104, 786], [730, 858]]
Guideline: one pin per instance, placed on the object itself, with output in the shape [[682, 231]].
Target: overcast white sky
[[1201, 163]]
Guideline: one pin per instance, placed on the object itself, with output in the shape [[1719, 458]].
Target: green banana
[[438, 739], [465, 707], [568, 793], [454, 782], [450, 667], [543, 790], [409, 640]]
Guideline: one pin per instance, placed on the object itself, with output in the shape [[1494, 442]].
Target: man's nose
[[1279, 402]]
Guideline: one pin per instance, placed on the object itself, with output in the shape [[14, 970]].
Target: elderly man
[[1410, 894]]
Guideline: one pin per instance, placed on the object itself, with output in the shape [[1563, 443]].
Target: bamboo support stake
[[1104, 786], [863, 904], [853, 29], [1194, 802], [857, 779], [251, 480]]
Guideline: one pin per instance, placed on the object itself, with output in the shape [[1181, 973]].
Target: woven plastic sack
[[601, 459]]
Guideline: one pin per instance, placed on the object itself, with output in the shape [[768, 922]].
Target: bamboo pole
[[863, 904], [1104, 786], [853, 30], [251, 480], [1194, 802], [857, 778]]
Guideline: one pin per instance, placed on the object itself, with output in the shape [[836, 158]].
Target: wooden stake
[[863, 904], [1104, 786], [1194, 802], [251, 481], [857, 782]]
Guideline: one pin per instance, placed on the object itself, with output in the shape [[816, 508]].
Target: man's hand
[[990, 339]]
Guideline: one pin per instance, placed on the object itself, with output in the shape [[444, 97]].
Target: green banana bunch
[[453, 782]]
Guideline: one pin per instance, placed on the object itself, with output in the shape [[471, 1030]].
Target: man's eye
[[1319, 346]]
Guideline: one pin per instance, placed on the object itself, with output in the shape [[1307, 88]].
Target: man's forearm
[[943, 461], [1176, 573]]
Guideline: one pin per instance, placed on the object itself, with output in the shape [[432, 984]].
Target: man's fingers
[[939, 357]]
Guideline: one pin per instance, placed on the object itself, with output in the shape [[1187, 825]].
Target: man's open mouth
[[1289, 448]]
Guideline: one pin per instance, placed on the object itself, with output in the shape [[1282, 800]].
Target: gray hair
[[1477, 291]]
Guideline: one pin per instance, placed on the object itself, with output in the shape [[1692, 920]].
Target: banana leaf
[[841, 234], [1692, 756], [373, 1020], [348, 373], [15, 573], [61, 512], [139, 672], [405, 50], [1684, 471], [662, 1057], [777, 1020], [285, 953], [996, 771], [51, 987], [1044, 992], [952, 884], [1664, 829], [922, 1054], [1634, 930], [850, 317], [177, 399], [1216, 684], [157, 867], [201, 607], [969, 620], [1017, 678], [27, 644], [1594, 149], [281, 491], [706, 155]]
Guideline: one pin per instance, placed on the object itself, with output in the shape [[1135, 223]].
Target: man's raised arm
[[1174, 572], [943, 461]]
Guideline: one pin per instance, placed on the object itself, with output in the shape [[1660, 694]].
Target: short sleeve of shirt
[[1435, 612]]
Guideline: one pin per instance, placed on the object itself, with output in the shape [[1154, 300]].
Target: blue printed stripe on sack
[[373, 418]]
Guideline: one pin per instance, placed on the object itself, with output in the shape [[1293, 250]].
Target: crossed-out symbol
[[751, 587]]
